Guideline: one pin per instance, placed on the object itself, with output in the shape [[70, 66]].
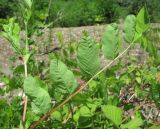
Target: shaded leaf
[[155, 93]]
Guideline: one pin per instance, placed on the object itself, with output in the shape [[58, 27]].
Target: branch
[[79, 90]]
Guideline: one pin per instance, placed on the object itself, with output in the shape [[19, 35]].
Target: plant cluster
[[52, 96]]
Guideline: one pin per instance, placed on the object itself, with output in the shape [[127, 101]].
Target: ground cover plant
[[76, 90]]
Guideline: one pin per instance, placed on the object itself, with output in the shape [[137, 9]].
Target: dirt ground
[[49, 39]]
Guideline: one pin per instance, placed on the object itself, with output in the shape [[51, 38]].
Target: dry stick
[[80, 89]]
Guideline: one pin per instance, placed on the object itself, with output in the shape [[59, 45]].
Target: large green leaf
[[110, 42], [133, 124], [63, 79], [113, 113], [142, 20], [40, 98], [88, 56], [129, 28]]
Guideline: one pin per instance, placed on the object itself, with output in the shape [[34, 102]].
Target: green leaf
[[110, 42], [85, 111], [133, 124], [83, 117], [137, 37], [155, 93], [28, 3], [142, 20], [88, 56], [129, 28], [154, 127], [40, 98], [63, 79], [113, 113], [56, 116], [148, 46], [139, 80], [12, 34], [6, 114], [31, 117]]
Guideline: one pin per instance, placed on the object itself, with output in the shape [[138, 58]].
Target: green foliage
[[155, 127], [63, 79], [155, 93], [41, 100], [142, 21], [12, 33], [105, 102], [110, 42], [10, 113], [88, 56], [133, 124], [113, 113], [6, 115], [129, 28], [149, 46], [68, 13]]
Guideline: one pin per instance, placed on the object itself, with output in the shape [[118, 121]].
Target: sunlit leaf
[[41, 101], [133, 124], [129, 28], [142, 20], [12, 34], [28, 3], [110, 42], [88, 56], [113, 113], [63, 79], [155, 127]]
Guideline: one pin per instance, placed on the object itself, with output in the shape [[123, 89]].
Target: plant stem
[[26, 74], [26, 30], [80, 89], [25, 97], [25, 69]]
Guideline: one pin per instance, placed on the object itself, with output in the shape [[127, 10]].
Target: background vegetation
[[67, 13]]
